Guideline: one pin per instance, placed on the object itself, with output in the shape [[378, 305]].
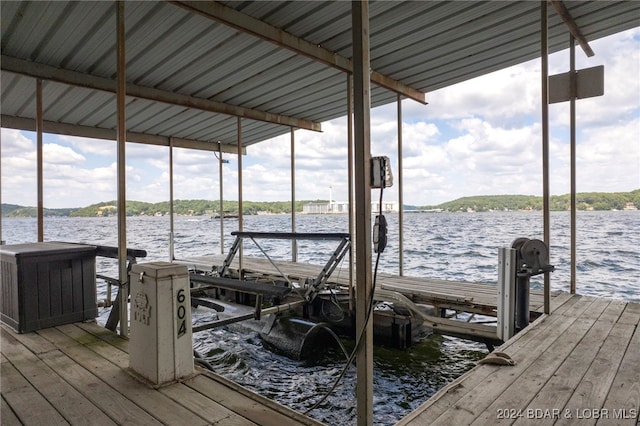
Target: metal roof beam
[[74, 78], [29, 124], [562, 10], [245, 23]]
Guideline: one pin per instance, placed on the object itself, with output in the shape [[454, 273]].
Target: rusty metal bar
[[575, 31]]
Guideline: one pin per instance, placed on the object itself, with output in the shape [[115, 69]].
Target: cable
[[361, 335]]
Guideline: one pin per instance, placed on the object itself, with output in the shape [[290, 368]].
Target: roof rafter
[[562, 10], [245, 23], [29, 124], [74, 78]]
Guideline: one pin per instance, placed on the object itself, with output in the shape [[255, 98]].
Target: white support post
[[506, 306], [160, 348]]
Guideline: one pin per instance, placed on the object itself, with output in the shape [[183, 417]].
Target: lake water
[[457, 246]]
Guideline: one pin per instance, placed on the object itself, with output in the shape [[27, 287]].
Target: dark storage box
[[47, 284]]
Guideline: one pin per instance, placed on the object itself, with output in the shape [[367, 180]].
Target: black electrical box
[[47, 284]]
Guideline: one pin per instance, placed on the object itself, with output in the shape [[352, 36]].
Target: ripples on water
[[457, 246]]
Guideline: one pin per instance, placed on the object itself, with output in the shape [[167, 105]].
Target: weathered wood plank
[[74, 407], [631, 314], [97, 345], [33, 341], [265, 412], [155, 403], [524, 388], [450, 395], [593, 388], [7, 416], [623, 402], [105, 335], [476, 400], [27, 403], [195, 401], [560, 387], [110, 401]]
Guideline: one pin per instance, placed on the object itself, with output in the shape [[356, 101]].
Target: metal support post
[[572, 113], [171, 224], [400, 194], [362, 151], [294, 243], [544, 54], [122, 203], [40, 160], [240, 217]]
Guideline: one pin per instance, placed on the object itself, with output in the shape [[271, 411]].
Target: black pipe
[[522, 301]]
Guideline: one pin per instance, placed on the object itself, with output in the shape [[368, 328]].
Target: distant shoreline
[[597, 201]]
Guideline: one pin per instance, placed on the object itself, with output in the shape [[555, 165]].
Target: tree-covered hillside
[[188, 207], [585, 201]]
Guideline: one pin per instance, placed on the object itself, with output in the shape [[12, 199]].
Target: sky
[[479, 137]]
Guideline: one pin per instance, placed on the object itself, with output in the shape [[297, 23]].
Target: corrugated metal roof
[[425, 45]]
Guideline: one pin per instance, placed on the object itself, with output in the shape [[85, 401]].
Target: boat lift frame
[[313, 288]]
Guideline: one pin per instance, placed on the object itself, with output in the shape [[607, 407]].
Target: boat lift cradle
[[225, 281]]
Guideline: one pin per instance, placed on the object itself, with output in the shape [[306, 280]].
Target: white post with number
[[160, 347]]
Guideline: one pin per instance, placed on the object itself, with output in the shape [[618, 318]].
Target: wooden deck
[[579, 365], [77, 374]]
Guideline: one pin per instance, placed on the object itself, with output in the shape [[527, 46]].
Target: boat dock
[[579, 363], [78, 374], [459, 296]]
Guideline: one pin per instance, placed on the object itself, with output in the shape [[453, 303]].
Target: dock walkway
[[579, 365], [77, 374]]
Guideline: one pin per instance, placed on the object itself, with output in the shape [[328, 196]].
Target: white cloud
[[482, 136], [57, 154], [102, 147]]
